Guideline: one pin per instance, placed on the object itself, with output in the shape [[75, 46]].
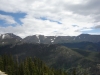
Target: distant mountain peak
[[9, 38], [50, 39], [4, 36], [84, 34]]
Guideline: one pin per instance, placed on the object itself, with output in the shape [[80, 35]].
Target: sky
[[50, 17]]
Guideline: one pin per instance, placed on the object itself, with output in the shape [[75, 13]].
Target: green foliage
[[27, 67], [84, 45], [56, 56]]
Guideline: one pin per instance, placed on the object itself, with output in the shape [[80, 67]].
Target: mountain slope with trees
[[57, 56]]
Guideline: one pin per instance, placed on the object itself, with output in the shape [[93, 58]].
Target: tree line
[[28, 67]]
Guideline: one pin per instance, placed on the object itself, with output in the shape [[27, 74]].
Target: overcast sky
[[50, 17]]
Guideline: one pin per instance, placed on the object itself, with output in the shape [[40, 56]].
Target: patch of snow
[[52, 41], [37, 36], [39, 41], [3, 36], [6, 36]]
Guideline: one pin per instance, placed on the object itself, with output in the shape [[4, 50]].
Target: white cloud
[[95, 33], [67, 12], [7, 19]]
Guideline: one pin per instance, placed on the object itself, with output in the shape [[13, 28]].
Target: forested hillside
[[57, 56], [83, 45], [27, 67]]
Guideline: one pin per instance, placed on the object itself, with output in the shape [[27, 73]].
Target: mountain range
[[12, 38], [61, 52]]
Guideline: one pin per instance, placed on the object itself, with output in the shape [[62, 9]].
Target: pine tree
[[1, 64], [27, 67], [74, 71]]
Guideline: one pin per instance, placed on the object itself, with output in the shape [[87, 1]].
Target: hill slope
[[56, 56]]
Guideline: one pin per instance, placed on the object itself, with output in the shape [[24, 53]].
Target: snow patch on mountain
[[52, 41], [38, 38], [39, 41], [6, 36], [3, 36]]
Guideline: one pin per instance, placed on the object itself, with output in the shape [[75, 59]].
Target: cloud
[[7, 19], [97, 27], [82, 13], [89, 7]]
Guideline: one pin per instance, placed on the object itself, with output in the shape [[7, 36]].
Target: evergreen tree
[[1, 64], [27, 67], [74, 71]]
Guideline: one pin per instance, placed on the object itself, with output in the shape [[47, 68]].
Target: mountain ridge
[[48, 39]]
